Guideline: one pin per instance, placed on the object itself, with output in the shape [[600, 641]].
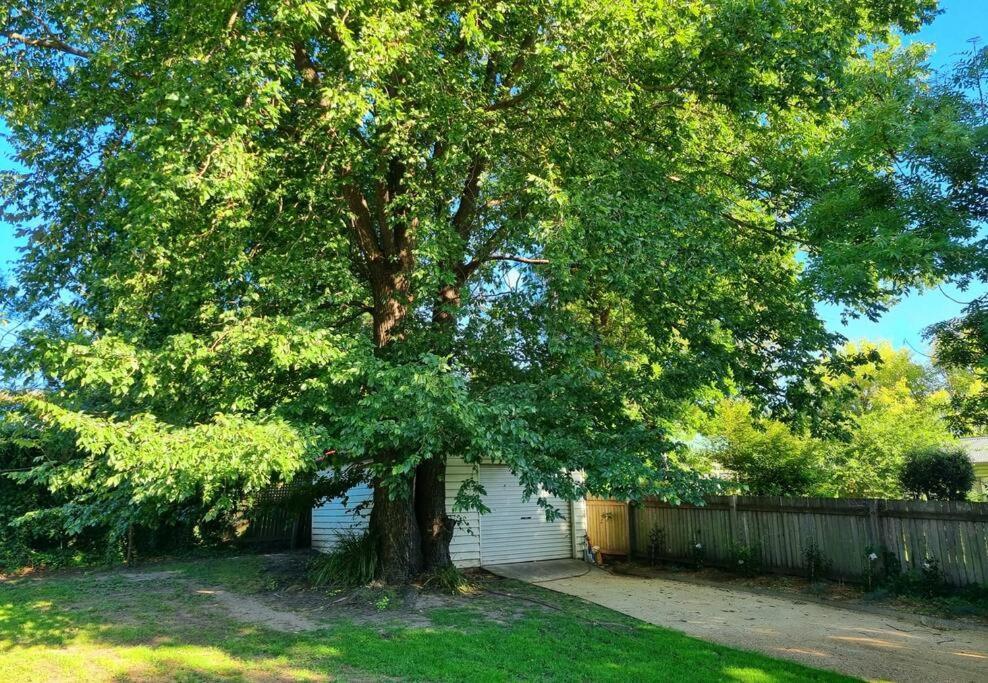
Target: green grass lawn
[[231, 619]]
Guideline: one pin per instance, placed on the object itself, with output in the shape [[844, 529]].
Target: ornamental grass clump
[[351, 563]]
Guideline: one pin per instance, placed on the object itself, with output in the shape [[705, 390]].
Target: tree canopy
[[529, 231]]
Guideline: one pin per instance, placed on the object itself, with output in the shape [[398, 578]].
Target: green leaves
[[155, 467], [536, 232]]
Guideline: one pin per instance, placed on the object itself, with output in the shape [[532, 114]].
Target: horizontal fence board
[[843, 531]]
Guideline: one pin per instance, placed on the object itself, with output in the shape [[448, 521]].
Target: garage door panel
[[551, 533], [516, 530]]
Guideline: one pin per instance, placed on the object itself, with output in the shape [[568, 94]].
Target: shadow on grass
[[110, 628]]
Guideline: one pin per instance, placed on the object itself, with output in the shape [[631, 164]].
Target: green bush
[[746, 559], [938, 473], [817, 564], [657, 544], [351, 563]]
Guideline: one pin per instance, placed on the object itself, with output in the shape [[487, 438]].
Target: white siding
[[332, 518]]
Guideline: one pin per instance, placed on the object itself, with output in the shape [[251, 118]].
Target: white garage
[[514, 530]]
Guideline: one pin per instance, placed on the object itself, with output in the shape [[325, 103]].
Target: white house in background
[[977, 450], [514, 530]]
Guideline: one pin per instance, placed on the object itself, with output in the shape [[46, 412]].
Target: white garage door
[[516, 530]]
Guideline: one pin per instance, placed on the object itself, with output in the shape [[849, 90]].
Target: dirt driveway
[[862, 644]]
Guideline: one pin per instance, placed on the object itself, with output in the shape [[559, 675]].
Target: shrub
[[882, 568], [816, 563], [928, 582], [746, 558], [351, 563], [656, 544], [938, 473], [698, 553]]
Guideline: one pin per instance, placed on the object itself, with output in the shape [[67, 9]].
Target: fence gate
[[607, 526]]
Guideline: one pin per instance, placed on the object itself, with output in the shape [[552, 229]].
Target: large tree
[[399, 231]]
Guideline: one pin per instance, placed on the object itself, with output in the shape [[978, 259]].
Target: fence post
[[632, 529], [732, 519], [874, 538]]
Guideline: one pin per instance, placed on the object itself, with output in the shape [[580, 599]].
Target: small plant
[[383, 603], [698, 553], [872, 573], [882, 567], [816, 563], [746, 558], [656, 544], [932, 581], [448, 580], [352, 562]]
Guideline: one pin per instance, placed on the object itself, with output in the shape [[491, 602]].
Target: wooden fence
[[608, 526], [844, 531], [275, 520]]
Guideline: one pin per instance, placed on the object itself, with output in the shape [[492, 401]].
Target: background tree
[[765, 456], [892, 405], [885, 408], [529, 231]]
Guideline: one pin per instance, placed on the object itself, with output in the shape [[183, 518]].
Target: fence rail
[[844, 532]]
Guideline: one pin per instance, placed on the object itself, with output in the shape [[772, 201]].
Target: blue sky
[[903, 324]]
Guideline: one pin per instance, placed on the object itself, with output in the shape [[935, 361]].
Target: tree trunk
[[393, 522], [435, 526], [399, 543]]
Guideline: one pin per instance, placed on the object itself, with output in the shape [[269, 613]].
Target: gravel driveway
[[857, 643]]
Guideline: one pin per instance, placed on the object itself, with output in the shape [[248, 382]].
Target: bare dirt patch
[[250, 610], [141, 577], [281, 599]]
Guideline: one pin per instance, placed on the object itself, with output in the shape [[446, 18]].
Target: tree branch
[[792, 239], [48, 43], [468, 268], [468, 199], [509, 102], [535, 261], [304, 64], [362, 223]]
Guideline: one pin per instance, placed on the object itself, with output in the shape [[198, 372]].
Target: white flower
[[699, 546], [740, 561], [872, 557], [926, 565]]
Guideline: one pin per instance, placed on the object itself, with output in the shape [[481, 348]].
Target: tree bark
[[393, 522], [399, 543], [435, 526], [391, 300]]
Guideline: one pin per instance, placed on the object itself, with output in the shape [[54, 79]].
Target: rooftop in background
[[977, 448]]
